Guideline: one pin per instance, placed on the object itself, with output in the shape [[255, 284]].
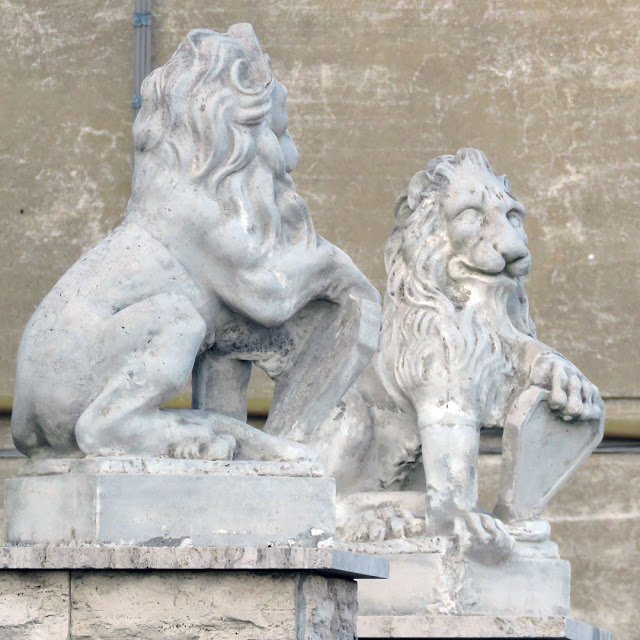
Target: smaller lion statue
[[217, 266], [457, 349]]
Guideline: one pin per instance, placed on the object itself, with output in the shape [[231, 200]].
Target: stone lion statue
[[457, 349], [216, 266]]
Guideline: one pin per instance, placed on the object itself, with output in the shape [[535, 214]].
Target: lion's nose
[[517, 260], [513, 253], [510, 246]]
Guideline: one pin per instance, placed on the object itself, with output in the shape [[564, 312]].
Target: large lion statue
[[216, 266], [457, 349]]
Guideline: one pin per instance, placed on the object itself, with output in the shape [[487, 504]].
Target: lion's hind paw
[[378, 525], [214, 447]]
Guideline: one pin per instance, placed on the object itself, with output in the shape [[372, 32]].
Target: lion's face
[[456, 262], [485, 227]]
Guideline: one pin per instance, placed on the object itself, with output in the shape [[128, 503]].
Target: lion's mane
[[432, 327], [200, 125], [212, 138]]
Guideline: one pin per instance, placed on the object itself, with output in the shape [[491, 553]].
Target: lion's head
[[456, 262], [212, 134]]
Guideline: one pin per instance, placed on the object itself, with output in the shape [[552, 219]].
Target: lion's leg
[[450, 457], [340, 344], [220, 384], [153, 345]]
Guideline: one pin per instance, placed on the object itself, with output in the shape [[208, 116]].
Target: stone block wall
[[172, 605]]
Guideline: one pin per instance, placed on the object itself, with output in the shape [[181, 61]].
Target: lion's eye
[[469, 216], [515, 219]]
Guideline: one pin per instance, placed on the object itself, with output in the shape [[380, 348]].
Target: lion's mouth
[[520, 267], [507, 274]]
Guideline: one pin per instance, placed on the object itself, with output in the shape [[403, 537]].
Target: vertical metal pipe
[[137, 34], [147, 35], [143, 39], [141, 48]]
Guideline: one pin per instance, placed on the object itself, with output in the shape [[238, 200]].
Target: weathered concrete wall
[[551, 93], [65, 73]]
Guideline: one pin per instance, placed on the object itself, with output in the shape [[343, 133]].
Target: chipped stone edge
[[327, 561], [476, 627], [159, 466]]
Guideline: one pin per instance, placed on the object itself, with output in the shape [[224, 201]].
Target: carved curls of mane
[[430, 324], [212, 138], [204, 121]]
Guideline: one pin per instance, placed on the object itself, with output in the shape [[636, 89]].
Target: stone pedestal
[[162, 549], [165, 502], [470, 627], [436, 592], [165, 593], [528, 583]]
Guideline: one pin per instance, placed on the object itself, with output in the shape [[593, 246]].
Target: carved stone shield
[[540, 452]]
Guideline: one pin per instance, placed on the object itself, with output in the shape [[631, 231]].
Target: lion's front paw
[[572, 395], [483, 538], [385, 523]]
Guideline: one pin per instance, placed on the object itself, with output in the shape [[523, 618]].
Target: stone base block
[[34, 605], [173, 605], [169, 503], [477, 628], [228, 593], [445, 582]]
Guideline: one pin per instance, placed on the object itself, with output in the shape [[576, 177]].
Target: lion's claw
[[571, 394], [483, 538]]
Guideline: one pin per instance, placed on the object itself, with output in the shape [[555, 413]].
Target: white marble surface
[[524, 584], [170, 509], [171, 466]]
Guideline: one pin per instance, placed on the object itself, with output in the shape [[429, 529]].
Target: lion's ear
[[148, 127], [505, 182], [402, 210], [417, 189]]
